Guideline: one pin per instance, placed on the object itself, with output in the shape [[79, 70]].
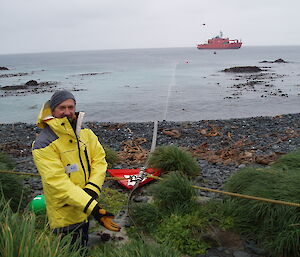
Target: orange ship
[[219, 42]]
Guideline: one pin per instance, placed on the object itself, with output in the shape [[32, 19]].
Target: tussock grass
[[111, 157], [146, 215], [112, 200], [12, 185], [183, 232], [18, 236], [276, 227], [288, 161], [6, 163], [137, 248], [13, 190], [172, 158], [174, 193], [175, 218]]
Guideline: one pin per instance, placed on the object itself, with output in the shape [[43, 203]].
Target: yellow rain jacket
[[68, 161]]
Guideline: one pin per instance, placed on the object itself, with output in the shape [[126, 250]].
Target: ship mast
[[221, 34]]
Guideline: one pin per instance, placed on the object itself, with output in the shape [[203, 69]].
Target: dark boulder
[[32, 83], [276, 61], [4, 68], [280, 61], [17, 87], [245, 69]]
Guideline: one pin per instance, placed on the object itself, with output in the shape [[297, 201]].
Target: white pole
[[154, 136]]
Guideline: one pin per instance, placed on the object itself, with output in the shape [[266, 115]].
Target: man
[[72, 165]]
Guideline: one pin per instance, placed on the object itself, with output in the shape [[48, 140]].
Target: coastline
[[220, 146]]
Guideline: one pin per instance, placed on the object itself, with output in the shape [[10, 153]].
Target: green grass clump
[[214, 214], [18, 236], [112, 200], [111, 157], [136, 248], [6, 163], [288, 161], [145, 215], [174, 193], [183, 233], [275, 226], [172, 158], [176, 219], [11, 185]]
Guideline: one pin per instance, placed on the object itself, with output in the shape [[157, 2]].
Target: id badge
[[71, 168]]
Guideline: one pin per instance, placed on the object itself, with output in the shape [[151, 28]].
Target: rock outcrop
[[276, 61], [243, 69]]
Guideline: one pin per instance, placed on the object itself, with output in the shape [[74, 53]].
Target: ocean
[[174, 84]]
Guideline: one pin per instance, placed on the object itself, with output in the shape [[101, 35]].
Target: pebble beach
[[220, 146]]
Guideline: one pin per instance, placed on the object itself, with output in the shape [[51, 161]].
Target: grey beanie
[[60, 96]]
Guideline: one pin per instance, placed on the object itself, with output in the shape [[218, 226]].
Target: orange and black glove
[[105, 218]]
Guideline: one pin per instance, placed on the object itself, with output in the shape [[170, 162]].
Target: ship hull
[[220, 46]]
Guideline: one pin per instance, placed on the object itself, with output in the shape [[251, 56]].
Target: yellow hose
[[240, 195], [19, 173], [196, 187]]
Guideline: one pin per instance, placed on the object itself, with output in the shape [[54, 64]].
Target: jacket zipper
[[88, 161], [81, 162]]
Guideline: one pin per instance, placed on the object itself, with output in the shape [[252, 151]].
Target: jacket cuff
[[94, 187], [96, 213], [90, 206], [91, 193]]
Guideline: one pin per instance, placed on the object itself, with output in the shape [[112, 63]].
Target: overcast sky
[[65, 25]]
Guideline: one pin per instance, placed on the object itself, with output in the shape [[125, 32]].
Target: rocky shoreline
[[220, 146]]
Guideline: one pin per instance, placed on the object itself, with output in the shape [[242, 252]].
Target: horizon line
[[121, 49]]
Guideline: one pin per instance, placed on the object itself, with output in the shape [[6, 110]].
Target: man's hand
[[105, 219]]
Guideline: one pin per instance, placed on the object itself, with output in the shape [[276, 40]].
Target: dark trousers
[[79, 235]]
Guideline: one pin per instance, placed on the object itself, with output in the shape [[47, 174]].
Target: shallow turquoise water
[[154, 84]]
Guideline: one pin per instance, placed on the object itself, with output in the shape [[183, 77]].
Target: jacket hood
[[44, 115], [45, 118]]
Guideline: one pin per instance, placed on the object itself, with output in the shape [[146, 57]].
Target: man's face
[[65, 109]]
